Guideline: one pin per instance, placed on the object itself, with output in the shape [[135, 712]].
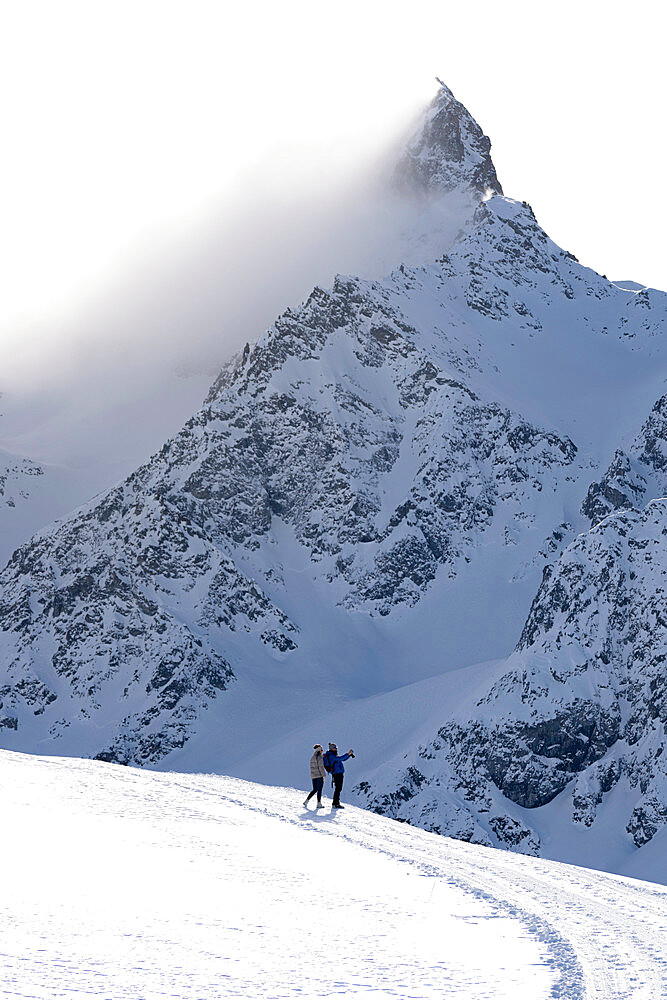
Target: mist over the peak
[[106, 384]]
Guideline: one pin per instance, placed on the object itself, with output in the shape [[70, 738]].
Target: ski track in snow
[[598, 930], [121, 883]]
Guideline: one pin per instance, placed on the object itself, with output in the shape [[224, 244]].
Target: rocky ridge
[[634, 476], [448, 152]]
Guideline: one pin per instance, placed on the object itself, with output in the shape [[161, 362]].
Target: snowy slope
[[61, 446], [367, 499], [32, 494], [190, 887], [19, 481]]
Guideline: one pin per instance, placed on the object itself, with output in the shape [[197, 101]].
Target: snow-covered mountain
[[570, 732], [31, 494], [59, 447], [200, 887], [16, 477], [370, 497]]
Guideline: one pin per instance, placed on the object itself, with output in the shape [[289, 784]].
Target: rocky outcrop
[[449, 152], [634, 478], [579, 711]]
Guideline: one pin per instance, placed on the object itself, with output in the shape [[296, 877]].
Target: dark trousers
[[318, 785], [338, 787]]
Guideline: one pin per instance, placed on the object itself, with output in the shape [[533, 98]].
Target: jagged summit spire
[[445, 88], [448, 151]]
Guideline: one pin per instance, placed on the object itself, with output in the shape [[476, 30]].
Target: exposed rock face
[[632, 479], [598, 622], [579, 710], [449, 152], [93, 619]]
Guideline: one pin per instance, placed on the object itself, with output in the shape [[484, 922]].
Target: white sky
[[124, 123]]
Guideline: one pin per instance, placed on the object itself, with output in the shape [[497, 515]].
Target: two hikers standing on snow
[[322, 764]]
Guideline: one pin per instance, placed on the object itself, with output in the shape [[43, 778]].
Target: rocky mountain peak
[[365, 506], [448, 151]]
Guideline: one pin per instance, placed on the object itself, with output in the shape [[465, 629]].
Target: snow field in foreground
[[122, 883]]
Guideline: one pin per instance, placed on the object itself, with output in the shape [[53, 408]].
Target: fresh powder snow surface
[[125, 883]]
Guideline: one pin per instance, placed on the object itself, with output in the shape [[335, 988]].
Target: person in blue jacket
[[334, 764]]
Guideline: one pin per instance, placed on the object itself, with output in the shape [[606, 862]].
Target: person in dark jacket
[[334, 765], [317, 775]]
